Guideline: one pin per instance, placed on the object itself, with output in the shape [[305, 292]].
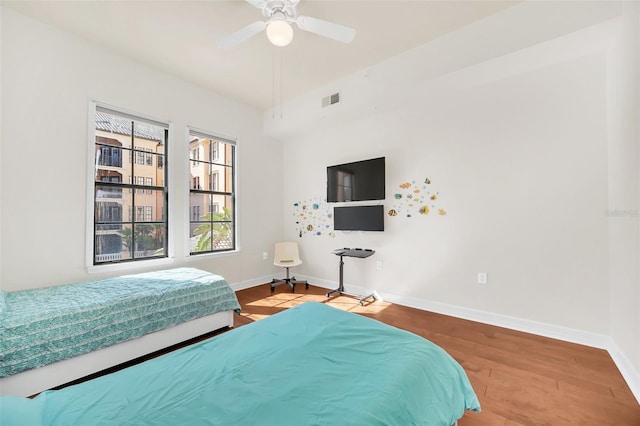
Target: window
[[213, 182], [195, 156], [133, 188], [212, 190], [109, 152], [139, 157], [213, 151]]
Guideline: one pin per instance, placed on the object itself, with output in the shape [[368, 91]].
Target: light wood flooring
[[520, 378]]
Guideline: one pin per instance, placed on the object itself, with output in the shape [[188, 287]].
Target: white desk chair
[[286, 256]]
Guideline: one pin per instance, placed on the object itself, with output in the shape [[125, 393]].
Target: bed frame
[[34, 381]]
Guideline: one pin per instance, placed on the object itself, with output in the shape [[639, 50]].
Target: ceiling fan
[[280, 15]]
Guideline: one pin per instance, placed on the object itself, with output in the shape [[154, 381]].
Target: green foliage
[[146, 237], [216, 232]]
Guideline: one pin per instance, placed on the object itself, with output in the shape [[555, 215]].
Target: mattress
[[309, 365], [42, 326]]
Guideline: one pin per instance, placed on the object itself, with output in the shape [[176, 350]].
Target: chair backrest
[[286, 254]]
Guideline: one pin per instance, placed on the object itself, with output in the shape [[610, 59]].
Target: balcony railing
[[112, 257]]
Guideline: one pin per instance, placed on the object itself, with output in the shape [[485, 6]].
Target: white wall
[[624, 185], [513, 128], [48, 79]]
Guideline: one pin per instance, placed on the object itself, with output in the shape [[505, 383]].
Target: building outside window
[[213, 181], [214, 193], [213, 151], [126, 180], [195, 156]]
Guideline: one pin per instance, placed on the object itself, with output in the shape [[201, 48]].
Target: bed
[[309, 365], [50, 336]]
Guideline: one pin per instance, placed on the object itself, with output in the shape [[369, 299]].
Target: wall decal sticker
[[313, 216], [415, 199]]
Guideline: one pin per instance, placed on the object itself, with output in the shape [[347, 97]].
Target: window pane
[[116, 130], [214, 228], [112, 244], [106, 193], [112, 164], [148, 137], [225, 207], [150, 203], [199, 203], [149, 240], [221, 153], [199, 172], [223, 175], [145, 165]]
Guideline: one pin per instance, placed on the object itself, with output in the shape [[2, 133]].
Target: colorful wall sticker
[[415, 199], [313, 216]]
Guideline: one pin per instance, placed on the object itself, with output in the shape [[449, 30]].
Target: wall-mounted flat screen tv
[[358, 181], [358, 218]]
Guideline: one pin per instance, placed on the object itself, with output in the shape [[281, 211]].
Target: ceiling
[[178, 37]]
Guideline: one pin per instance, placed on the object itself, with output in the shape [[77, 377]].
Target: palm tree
[[216, 232], [147, 237]]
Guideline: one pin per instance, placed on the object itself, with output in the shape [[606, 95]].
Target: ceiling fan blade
[[257, 3], [239, 36], [326, 29]]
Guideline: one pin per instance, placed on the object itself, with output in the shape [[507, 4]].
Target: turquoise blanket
[[309, 365], [46, 325]]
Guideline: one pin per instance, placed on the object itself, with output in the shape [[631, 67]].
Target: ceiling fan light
[[279, 33]]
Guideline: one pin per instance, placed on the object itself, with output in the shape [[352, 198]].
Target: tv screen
[[358, 218], [358, 181]]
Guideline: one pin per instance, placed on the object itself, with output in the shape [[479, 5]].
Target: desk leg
[[371, 296], [340, 289]]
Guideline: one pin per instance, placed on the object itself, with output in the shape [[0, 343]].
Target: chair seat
[[287, 263], [287, 256]]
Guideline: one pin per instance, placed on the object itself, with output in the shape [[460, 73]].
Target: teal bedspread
[[42, 326], [309, 365]]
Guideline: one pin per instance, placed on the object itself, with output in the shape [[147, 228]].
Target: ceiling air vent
[[331, 100]]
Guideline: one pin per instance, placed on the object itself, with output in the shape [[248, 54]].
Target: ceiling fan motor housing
[[280, 10]]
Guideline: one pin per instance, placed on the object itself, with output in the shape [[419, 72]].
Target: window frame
[[216, 138], [168, 197]]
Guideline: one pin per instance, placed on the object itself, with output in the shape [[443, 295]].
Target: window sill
[[129, 266], [197, 257]]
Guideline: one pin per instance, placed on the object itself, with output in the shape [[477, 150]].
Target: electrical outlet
[[379, 265], [483, 278], [265, 255]]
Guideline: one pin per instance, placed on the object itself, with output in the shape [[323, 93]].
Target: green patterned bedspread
[[46, 325]]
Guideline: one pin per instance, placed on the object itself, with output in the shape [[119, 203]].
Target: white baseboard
[[251, 283], [628, 371], [567, 334]]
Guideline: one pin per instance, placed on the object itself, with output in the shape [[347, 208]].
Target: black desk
[[356, 252]]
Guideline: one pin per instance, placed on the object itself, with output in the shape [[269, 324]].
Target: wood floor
[[520, 378]]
